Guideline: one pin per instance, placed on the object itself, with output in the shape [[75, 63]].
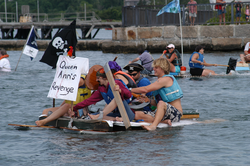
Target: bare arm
[[172, 57], [135, 60], [163, 53], [161, 82]]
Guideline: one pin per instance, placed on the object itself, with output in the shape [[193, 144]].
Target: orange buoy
[[183, 69]]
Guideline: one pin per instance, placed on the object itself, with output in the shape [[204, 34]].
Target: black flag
[[60, 44]]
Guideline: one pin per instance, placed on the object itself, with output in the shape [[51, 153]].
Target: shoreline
[[111, 46], [125, 40]]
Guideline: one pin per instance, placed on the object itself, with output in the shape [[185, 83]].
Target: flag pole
[[24, 45], [181, 38]]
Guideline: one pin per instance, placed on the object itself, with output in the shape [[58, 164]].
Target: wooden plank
[[117, 96], [190, 116], [242, 66], [80, 131]]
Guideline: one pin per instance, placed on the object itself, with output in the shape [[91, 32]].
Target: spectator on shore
[[238, 7], [221, 10], [192, 11], [247, 13]]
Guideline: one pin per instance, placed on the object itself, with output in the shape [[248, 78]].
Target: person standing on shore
[[221, 10], [238, 7], [192, 11], [4, 62]]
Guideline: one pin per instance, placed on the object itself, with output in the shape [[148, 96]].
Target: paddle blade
[[232, 64], [90, 80]]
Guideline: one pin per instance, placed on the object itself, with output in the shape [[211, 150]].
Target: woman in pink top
[[247, 13], [192, 11]]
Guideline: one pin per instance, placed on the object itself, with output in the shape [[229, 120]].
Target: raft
[[103, 125], [242, 66]]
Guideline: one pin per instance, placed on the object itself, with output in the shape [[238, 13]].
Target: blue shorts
[[238, 14], [177, 69], [221, 11]]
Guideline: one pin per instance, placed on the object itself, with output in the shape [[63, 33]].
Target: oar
[[26, 127], [231, 65], [117, 96], [223, 65], [143, 104], [22, 127], [115, 58]]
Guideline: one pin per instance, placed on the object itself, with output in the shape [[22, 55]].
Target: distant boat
[[108, 28]]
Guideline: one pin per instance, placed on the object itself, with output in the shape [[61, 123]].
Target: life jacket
[[168, 94], [83, 93], [176, 61], [109, 95], [4, 56], [196, 65], [131, 81], [139, 81]]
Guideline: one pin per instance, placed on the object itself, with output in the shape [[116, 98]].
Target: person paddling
[[197, 63], [173, 57], [104, 92]]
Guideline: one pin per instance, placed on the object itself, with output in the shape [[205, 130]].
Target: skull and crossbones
[[58, 43]]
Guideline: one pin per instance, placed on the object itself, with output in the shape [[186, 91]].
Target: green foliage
[[105, 9], [110, 13]]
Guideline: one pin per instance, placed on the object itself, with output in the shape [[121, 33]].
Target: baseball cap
[[170, 46]]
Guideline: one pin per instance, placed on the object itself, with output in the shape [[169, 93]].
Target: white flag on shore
[[30, 47]]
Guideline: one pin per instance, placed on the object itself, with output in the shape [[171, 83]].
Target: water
[[222, 101]]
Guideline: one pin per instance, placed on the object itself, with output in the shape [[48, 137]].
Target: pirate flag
[[61, 44]]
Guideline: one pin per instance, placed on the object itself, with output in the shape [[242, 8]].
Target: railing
[[206, 15], [11, 17], [51, 17]]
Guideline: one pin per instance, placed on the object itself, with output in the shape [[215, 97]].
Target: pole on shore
[[5, 11]]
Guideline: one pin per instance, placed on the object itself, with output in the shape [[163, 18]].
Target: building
[[134, 2]]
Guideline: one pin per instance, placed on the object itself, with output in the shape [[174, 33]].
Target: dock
[[7, 28]]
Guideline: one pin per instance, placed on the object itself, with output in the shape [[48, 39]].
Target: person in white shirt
[[4, 62], [246, 56]]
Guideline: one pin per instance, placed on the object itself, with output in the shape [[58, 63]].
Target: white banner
[[30, 51], [67, 77]]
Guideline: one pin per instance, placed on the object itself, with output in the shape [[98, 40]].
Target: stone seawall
[[155, 39]]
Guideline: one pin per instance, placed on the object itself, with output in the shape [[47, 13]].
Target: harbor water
[[220, 138]]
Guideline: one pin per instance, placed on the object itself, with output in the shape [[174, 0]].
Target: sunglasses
[[132, 74]]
